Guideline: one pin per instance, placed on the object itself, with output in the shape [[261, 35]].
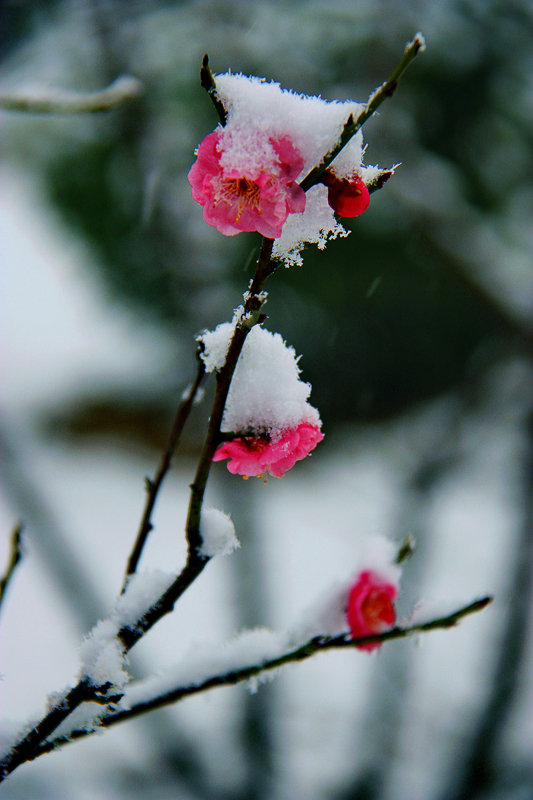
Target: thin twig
[[301, 653], [196, 562], [208, 82], [27, 746], [154, 485], [65, 102], [352, 125], [14, 558]]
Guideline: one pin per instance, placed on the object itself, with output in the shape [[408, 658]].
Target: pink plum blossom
[[253, 456], [370, 607], [348, 197], [250, 199]]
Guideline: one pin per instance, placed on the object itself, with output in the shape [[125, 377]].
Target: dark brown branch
[[14, 558], [208, 83], [26, 748], [153, 486], [352, 125], [196, 562], [301, 653]]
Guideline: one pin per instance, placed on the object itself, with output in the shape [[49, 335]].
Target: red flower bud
[[348, 197]]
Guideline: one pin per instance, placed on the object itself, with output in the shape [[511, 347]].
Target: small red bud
[[348, 197]]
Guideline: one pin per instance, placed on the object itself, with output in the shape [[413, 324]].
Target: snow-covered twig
[[27, 746], [65, 102], [352, 125], [14, 558], [92, 686], [253, 302], [153, 700]]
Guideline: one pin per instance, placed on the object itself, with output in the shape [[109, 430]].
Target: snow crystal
[[316, 225], [86, 717], [143, 590], [216, 345], [266, 392], [218, 533]]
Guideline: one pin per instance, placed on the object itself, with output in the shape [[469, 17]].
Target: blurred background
[[415, 333]]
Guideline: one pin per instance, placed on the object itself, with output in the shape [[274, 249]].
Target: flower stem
[[351, 126], [253, 301]]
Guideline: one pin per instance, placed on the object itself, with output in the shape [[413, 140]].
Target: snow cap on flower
[[267, 407], [247, 172]]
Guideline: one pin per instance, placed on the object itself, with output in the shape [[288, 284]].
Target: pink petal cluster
[[370, 607], [348, 197], [250, 199], [253, 456]]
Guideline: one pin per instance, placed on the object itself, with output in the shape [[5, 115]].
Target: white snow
[[317, 225], [218, 533], [312, 124], [142, 592], [204, 661], [266, 392], [102, 657], [102, 653]]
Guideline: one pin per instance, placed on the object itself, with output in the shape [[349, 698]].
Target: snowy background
[[412, 332]]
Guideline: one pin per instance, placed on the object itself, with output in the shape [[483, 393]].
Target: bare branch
[[153, 486], [14, 558], [208, 82], [352, 125]]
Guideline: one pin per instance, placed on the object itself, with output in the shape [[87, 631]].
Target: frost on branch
[[102, 653], [257, 646], [246, 174], [218, 533], [267, 410]]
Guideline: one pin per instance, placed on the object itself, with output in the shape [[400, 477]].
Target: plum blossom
[[255, 198], [271, 424], [247, 173], [370, 607], [254, 456]]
